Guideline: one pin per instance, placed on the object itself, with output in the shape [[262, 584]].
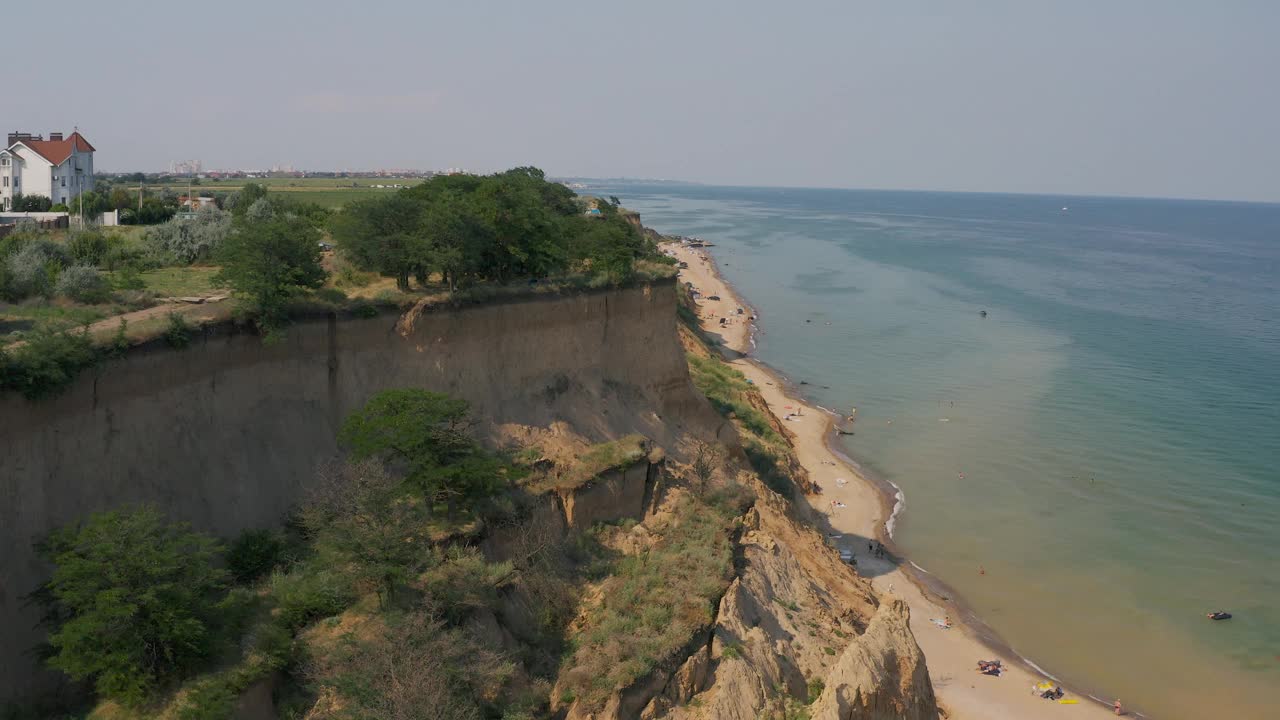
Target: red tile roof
[[56, 151]]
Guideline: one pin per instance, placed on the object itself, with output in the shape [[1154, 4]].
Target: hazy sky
[[1167, 98]]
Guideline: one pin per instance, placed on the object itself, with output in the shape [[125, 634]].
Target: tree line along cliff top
[[70, 299]]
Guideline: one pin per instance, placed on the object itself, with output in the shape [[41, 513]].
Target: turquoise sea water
[[1116, 416]]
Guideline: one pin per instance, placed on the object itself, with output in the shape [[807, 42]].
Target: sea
[[1079, 398]]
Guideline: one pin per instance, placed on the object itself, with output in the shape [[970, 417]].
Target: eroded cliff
[[228, 433]]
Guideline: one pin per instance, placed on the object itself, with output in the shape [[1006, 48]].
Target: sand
[[951, 654]]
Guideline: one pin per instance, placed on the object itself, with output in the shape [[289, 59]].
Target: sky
[[1098, 97]]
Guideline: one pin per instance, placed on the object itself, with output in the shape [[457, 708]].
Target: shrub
[[193, 240], [133, 597], [254, 554], [128, 277], [308, 593], [178, 334], [88, 247], [34, 267], [365, 309], [46, 363], [654, 603], [83, 283], [815, 687], [413, 666], [331, 295], [461, 582]]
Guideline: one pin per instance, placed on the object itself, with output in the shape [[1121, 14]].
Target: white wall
[[7, 175], [36, 176], [35, 172]]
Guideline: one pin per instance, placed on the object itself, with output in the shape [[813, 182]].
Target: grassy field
[[181, 281], [329, 192]]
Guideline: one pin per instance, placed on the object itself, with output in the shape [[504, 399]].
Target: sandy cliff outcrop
[[881, 675], [794, 620]]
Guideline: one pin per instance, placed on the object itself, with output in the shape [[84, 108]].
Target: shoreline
[[877, 504]]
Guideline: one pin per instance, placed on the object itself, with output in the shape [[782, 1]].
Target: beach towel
[[1068, 701], [940, 623]]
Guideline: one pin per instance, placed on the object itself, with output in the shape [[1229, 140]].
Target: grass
[[181, 280], [51, 315], [327, 192], [727, 388], [655, 602], [601, 458]]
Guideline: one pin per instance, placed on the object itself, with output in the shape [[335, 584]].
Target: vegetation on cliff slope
[[658, 602], [374, 601], [729, 391]]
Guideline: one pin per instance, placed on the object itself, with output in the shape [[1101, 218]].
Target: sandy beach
[[856, 508]]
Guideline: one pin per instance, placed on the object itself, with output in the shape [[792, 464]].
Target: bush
[[333, 296], [308, 593], [462, 581], [188, 241], [654, 603], [133, 597], [83, 283], [128, 277], [178, 334], [33, 268], [413, 666], [46, 363], [88, 247], [254, 554]]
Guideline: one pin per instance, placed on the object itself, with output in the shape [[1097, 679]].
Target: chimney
[[55, 137], [18, 135]]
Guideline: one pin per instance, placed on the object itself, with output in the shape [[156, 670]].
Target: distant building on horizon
[[185, 167], [58, 168]]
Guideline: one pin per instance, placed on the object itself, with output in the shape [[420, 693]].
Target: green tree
[[428, 434], [247, 196], [120, 198], [90, 202], [268, 263], [362, 518], [383, 235], [31, 203], [133, 598]]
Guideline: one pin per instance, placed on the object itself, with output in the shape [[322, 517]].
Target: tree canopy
[[133, 598], [429, 435], [497, 228], [270, 261]]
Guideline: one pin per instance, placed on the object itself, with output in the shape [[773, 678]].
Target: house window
[[4, 162], [64, 181], [6, 181]]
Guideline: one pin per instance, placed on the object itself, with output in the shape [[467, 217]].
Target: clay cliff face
[[227, 433]]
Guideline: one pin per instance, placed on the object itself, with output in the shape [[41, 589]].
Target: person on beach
[[1119, 710]]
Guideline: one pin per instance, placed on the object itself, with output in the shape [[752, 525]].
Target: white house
[[58, 168]]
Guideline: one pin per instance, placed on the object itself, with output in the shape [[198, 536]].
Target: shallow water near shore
[[1092, 466]]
